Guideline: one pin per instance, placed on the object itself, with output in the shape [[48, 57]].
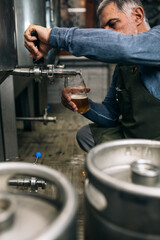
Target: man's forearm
[[109, 46], [101, 114]]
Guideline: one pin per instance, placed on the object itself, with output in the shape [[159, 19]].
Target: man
[[125, 39]]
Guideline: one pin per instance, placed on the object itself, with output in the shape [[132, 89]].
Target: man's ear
[[138, 15]]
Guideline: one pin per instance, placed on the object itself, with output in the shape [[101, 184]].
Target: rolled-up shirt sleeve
[[109, 46]]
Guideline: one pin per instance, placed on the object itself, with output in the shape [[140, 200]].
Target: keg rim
[[69, 210], [147, 191]]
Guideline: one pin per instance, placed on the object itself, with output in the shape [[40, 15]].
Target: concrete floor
[[58, 146]]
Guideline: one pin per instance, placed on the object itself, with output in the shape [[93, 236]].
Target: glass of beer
[[76, 88]]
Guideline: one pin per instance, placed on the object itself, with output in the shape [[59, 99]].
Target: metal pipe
[[45, 118], [48, 119], [48, 71], [51, 12]]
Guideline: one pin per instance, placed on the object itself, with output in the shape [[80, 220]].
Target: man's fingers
[[65, 95], [27, 33], [29, 38], [29, 43], [66, 104], [87, 89], [31, 47], [34, 51], [69, 104], [32, 55]]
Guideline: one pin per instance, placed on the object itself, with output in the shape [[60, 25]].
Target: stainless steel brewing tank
[[26, 13], [117, 207], [8, 51], [28, 215], [29, 12]]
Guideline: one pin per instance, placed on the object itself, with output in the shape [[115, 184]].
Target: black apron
[[140, 111]]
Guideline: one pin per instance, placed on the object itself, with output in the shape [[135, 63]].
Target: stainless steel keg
[[26, 215], [122, 191]]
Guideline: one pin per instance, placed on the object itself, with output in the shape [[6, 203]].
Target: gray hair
[[125, 6]]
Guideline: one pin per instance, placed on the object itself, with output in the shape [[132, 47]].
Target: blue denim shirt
[[113, 47]]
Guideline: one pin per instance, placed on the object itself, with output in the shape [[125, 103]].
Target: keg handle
[[8, 206], [96, 198]]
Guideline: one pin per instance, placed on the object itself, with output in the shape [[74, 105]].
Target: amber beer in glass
[[81, 101], [76, 88]]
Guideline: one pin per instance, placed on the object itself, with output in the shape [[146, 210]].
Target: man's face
[[112, 18]]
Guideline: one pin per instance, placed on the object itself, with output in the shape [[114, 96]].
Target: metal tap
[[45, 118], [33, 183], [48, 71]]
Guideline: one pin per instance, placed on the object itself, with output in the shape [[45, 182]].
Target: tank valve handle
[[36, 43], [48, 107], [38, 155], [46, 111], [47, 118]]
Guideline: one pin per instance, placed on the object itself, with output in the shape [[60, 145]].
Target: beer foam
[[78, 96]]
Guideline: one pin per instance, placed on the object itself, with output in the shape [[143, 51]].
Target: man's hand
[[67, 101], [43, 35]]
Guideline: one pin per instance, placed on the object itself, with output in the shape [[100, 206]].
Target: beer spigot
[[45, 71]]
